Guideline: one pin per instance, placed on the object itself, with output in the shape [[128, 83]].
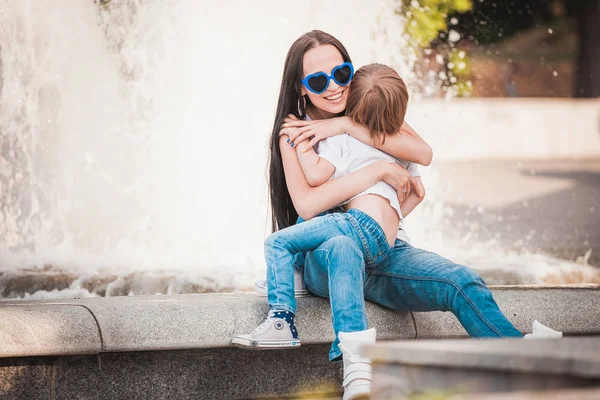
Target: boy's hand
[[299, 131]]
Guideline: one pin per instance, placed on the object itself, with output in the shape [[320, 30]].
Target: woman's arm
[[405, 145], [311, 201]]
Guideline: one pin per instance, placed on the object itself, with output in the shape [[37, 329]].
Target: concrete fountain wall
[[146, 347]]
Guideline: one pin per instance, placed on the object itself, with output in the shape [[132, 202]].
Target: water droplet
[[453, 36]]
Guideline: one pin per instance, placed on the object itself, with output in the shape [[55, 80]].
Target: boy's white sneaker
[[357, 369], [299, 286], [276, 332], [539, 331]]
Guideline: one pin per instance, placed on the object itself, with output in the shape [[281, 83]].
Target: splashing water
[[134, 137]]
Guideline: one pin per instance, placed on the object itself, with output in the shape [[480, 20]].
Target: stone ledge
[[197, 321], [569, 356], [47, 329]]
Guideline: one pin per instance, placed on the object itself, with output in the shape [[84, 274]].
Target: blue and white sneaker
[[276, 332], [299, 285]]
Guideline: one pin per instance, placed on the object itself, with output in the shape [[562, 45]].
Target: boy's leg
[[412, 279], [336, 270], [281, 248], [278, 330]]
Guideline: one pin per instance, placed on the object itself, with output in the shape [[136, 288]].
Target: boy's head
[[378, 100]]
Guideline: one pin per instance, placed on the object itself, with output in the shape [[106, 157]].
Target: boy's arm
[[404, 145], [317, 170], [413, 199]]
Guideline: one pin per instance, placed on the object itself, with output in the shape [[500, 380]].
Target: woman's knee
[[465, 284], [467, 276]]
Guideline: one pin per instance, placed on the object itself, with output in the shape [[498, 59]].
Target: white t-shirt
[[348, 155]]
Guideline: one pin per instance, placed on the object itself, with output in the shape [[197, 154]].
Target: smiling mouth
[[335, 96]]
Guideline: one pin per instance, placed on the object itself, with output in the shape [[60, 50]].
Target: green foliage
[[426, 18]]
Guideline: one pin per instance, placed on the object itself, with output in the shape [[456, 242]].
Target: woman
[[410, 279]]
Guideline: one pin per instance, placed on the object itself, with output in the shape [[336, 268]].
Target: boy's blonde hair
[[378, 100]]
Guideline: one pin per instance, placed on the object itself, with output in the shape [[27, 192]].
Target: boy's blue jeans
[[367, 247]]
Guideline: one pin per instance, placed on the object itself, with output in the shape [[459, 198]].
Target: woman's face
[[323, 59]]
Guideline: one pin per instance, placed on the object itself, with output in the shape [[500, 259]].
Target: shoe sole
[[264, 344], [263, 291], [360, 395]]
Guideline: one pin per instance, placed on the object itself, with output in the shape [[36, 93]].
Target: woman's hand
[[299, 131], [399, 178]]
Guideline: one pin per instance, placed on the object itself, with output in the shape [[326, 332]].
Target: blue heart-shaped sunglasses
[[319, 81]]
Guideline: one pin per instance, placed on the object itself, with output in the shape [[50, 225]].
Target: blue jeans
[[365, 242], [408, 279]]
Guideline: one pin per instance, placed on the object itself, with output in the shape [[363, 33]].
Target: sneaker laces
[[265, 324]]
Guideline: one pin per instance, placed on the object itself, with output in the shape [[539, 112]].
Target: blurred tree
[[587, 68], [427, 22], [493, 20], [427, 18]]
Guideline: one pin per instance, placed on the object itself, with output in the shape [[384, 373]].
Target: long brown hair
[[291, 102], [378, 100]]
